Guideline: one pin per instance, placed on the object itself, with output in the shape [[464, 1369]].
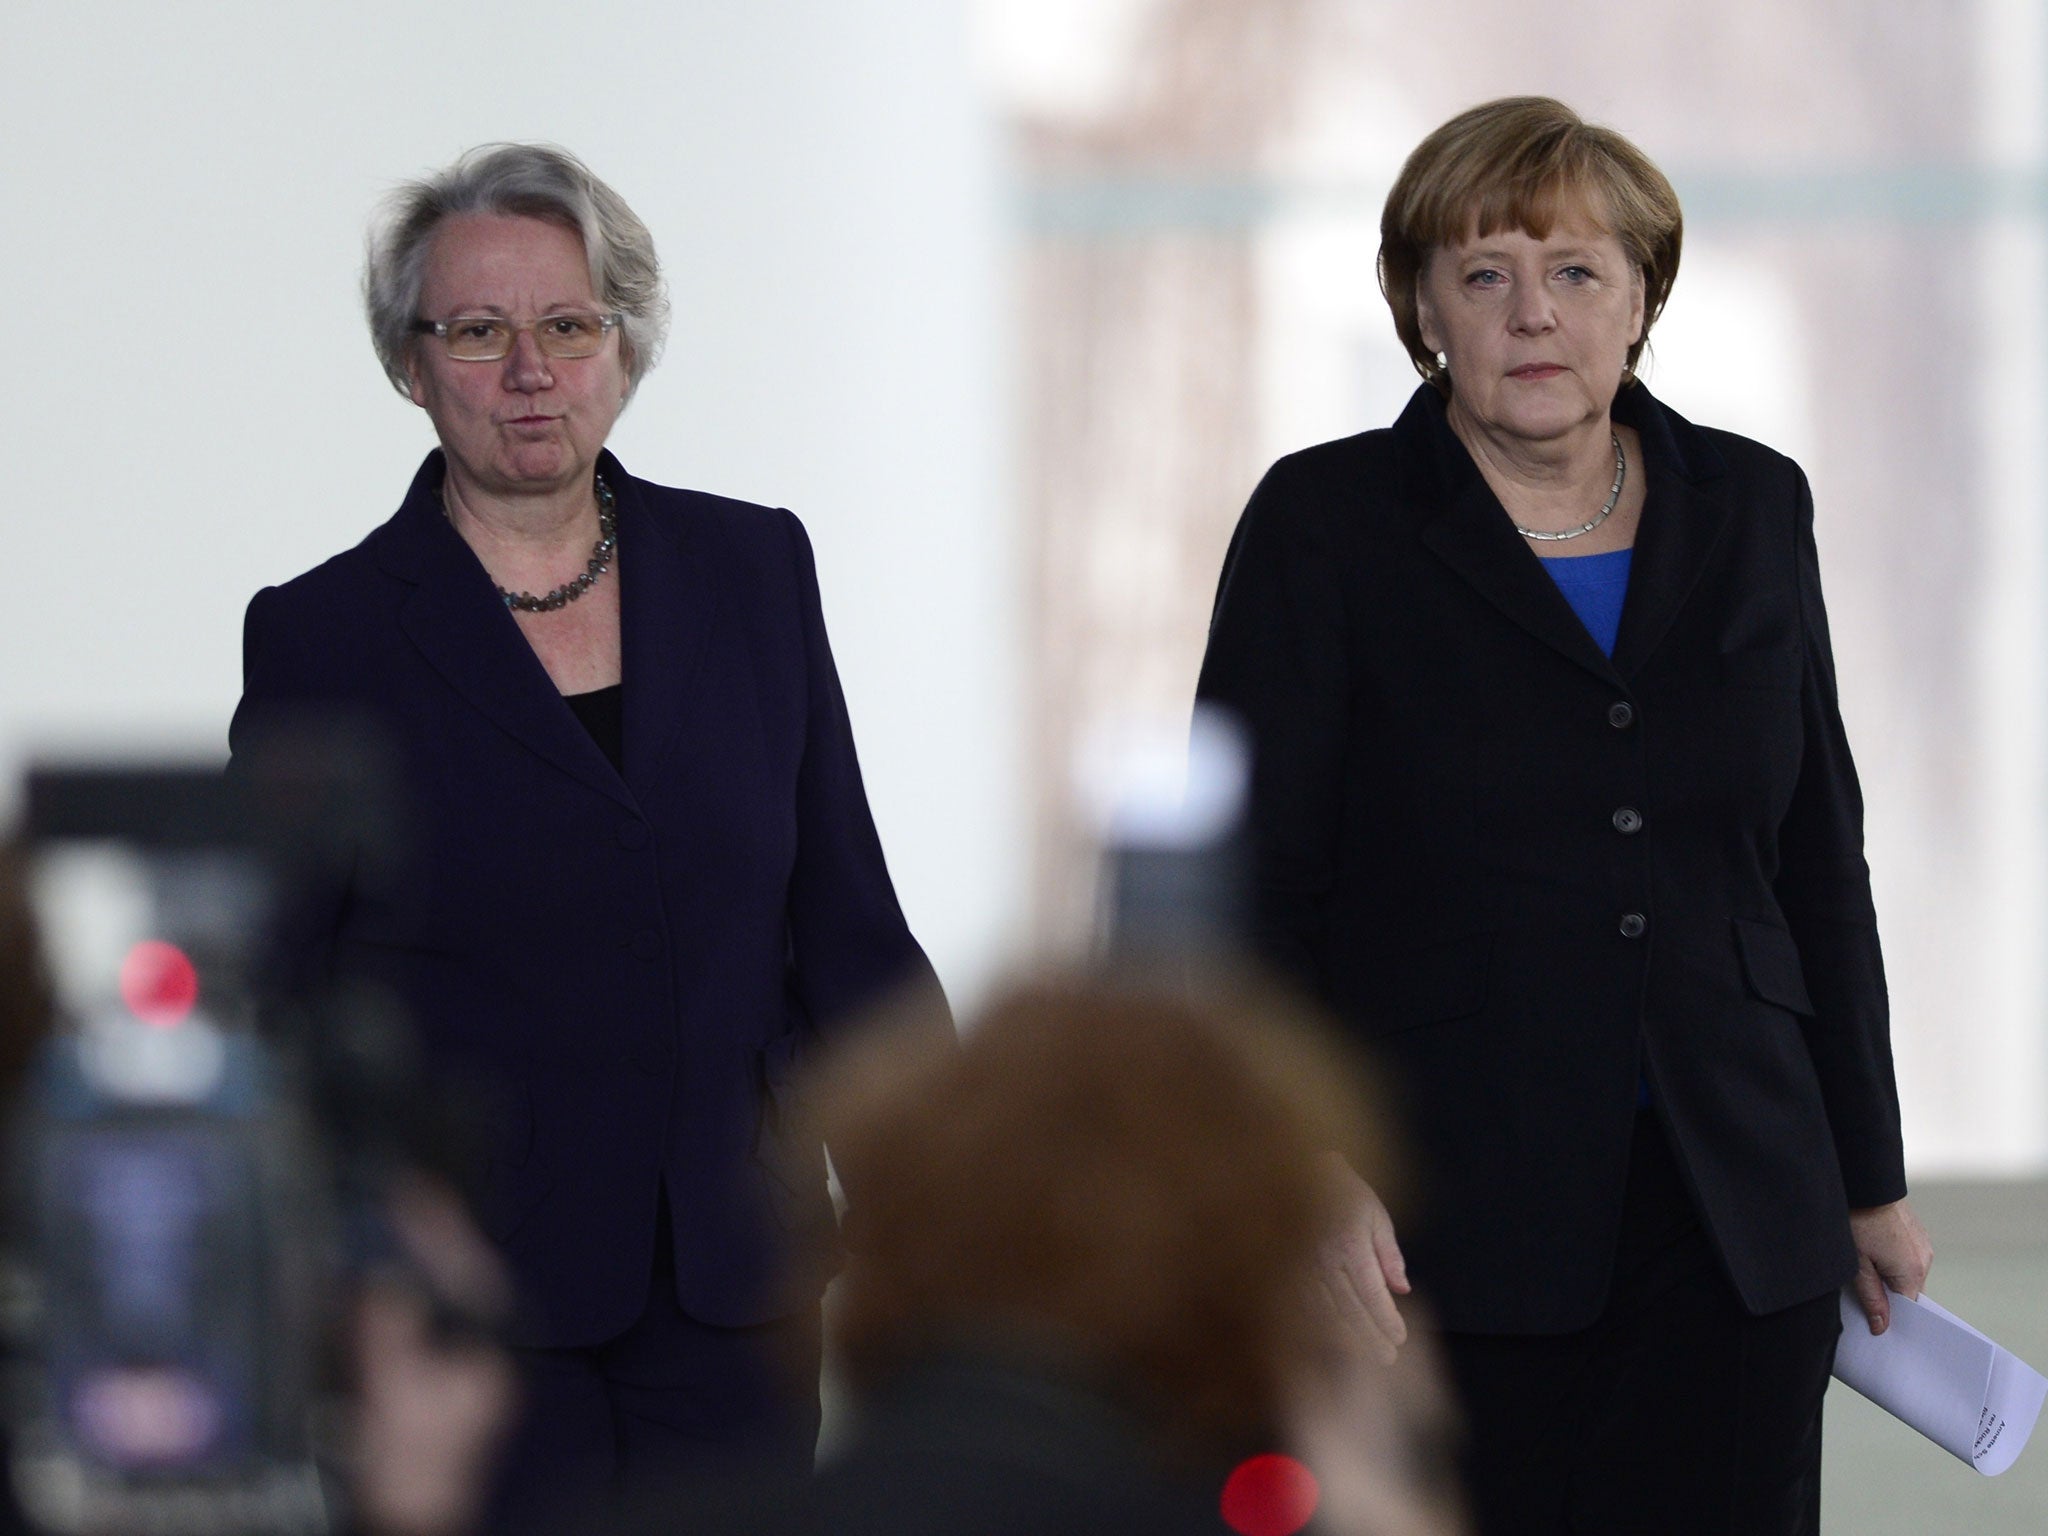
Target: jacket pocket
[[1436, 984], [1770, 962]]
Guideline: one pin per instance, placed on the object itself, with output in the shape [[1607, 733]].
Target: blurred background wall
[[1012, 301]]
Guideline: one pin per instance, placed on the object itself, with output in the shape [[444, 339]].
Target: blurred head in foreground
[[1082, 1288], [1132, 1179]]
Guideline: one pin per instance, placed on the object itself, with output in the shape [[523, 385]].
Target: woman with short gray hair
[[645, 882], [538, 180]]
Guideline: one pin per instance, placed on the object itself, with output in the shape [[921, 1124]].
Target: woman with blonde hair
[[1552, 803]]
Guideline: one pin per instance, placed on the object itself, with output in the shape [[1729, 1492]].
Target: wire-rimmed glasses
[[488, 338]]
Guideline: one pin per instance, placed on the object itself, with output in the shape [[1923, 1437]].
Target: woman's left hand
[[1892, 1252], [1361, 1267]]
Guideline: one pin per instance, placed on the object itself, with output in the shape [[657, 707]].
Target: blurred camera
[[171, 1239]]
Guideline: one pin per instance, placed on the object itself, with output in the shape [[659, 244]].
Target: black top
[[603, 714], [966, 1445]]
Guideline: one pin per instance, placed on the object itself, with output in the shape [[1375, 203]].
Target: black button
[[1621, 714], [1628, 819], [1633, 925], [633, 835]]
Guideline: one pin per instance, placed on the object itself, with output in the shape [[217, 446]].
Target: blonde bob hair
[[1523, 162]]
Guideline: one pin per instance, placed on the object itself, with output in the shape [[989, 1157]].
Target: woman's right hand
[[1362, 1270]]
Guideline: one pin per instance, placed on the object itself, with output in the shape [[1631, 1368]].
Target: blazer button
[[1621, 714], [1633, 925], [1627, 820], [646, 945], [633, 835]]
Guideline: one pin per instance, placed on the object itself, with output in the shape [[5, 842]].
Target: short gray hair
[[539, 181]]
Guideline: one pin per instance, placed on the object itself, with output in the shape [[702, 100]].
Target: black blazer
[[641, 961], [1526, 874]]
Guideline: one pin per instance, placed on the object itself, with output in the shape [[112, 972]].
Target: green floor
[[1990, 1268]]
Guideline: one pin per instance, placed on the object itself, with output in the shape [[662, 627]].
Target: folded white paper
[[1942, 1377]]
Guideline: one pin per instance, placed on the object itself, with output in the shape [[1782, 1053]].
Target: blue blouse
[[1594, 585]]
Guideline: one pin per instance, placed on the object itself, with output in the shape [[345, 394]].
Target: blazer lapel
[[460, 625], [669, 606], [1473, 535], [1682, 523], [1679, 530]]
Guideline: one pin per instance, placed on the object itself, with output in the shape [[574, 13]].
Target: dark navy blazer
[[1527, 873], [638, 962]]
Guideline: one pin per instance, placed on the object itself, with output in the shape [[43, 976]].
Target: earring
[[1443, 363]]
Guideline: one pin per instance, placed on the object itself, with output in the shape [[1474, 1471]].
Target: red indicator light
[[158, 983], [1269, 1496]]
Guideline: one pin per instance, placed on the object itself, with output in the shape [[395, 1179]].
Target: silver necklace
[[1613, 496], [599, 562]]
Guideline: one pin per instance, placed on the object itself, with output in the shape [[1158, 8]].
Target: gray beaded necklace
[[599, 562], [1613, 496]]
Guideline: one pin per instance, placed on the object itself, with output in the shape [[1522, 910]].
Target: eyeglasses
[[487, 338]]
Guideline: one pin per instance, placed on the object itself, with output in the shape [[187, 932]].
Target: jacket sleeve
[[289, 675], [1823, 888], [849, 946], [1278, 660], [288, 722], [261, 685]]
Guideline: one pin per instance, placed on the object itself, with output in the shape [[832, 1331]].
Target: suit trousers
[[668, 1401], [1676, 1413]]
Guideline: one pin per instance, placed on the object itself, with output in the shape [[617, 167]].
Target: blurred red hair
[[1137, 1176]]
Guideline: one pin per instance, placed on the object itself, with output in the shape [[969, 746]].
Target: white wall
[[194, 410]]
